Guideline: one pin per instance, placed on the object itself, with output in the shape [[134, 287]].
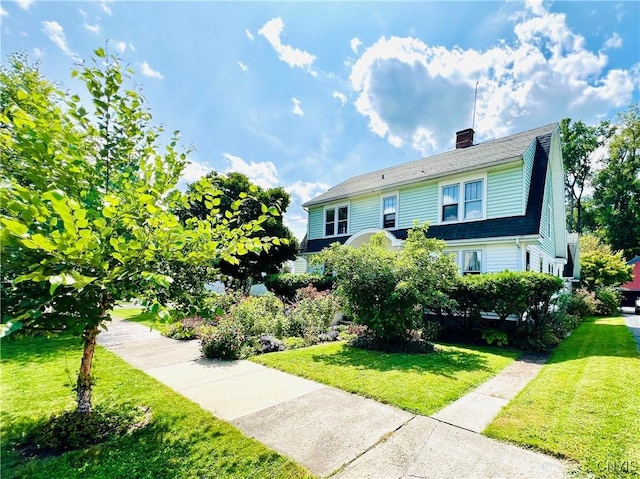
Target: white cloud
[[614, 41], [355, 44], [249, 34], [105, 6], [262, 173], [340, 96], [150, 72], [24, 4], [37, 53], [131, 47], [242, 66], [120, 47], [293, 57], [194, 171], [297, 109], [3, 12], [55, 32], [93, 28], [420, 95], [305, 191]]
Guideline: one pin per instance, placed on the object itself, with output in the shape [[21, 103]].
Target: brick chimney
[[464, 138]]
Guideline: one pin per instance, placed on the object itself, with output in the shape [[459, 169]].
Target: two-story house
[[498, 205]]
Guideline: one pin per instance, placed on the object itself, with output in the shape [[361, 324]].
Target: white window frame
[[462, 200], [395, 195], [458, 255], [335, 209], [462, 257]]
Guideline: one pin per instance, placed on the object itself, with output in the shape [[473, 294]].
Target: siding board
[[504, 193], [419, 203]]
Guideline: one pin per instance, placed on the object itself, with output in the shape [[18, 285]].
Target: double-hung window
[[462, 201], [336, 221], [389, 211], [450, 203]]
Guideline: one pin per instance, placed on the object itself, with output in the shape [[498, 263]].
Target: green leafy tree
[[387, 290], [617, 186], [600, 266], [579, 142], [233, 186], [87, 200]]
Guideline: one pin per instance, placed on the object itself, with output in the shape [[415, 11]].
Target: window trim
[[392, 194], [460, 182], [459, 258], [335, 209]]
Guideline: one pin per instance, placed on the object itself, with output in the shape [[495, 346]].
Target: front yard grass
[[585, 403], [182, 441], [138, 315], [420, 383]]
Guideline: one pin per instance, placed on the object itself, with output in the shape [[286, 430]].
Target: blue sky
[[305, 95]]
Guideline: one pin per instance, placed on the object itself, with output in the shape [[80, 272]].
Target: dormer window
[[336, 220], [462, 201]]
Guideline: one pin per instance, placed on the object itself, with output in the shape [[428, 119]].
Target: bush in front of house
[[222, 341], [186, 328], [286, 285], [579, 302], [387, 290], [260, 315], [312, 313], [608, 301]]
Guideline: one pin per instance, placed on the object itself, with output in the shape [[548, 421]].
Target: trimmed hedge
[[286, 285]]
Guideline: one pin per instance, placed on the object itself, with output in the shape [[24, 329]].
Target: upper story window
[[336, 220], [468, 206], [389, 211]]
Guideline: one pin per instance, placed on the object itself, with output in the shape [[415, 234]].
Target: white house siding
[[548, 244], [504, 191], [528, 158], [503, 256], [364, 213], [300, 265], [418, 203], [316, 219]]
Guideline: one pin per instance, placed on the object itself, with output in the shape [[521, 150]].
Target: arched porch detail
[[365, 235]]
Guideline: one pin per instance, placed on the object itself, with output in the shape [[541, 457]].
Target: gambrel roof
[[483, 155]]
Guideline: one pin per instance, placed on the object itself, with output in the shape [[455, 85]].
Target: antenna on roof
[[475, 100]]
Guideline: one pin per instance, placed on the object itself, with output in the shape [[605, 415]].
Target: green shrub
[[223, 341], [432, 331], [387, 290], [295, 342], [219, 304], [185, 329], [260, 315], [312, 314], [493, 336], [74, 430], [579, 302], [608, 301], [286, 285]]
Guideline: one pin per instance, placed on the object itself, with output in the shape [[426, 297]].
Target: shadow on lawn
[[443, 362]]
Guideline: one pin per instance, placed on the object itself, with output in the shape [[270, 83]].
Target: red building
[[631, 290]]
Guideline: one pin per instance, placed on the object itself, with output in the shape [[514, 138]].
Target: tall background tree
[[579, 142], [87, 198], [617, 186], [232, 187]]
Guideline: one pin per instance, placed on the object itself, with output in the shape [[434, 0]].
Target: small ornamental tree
[[86, 206], [387, 290], [600, 266]]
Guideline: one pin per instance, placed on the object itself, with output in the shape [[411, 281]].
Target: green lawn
[[138, 315], [585, 403], [183, 440], [418, 383]]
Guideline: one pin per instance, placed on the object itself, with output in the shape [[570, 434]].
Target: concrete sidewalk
[[332, 432]]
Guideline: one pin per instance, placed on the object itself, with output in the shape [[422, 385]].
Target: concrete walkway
[[334, 433]]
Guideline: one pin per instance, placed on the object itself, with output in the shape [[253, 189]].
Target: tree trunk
[[85, 380]]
